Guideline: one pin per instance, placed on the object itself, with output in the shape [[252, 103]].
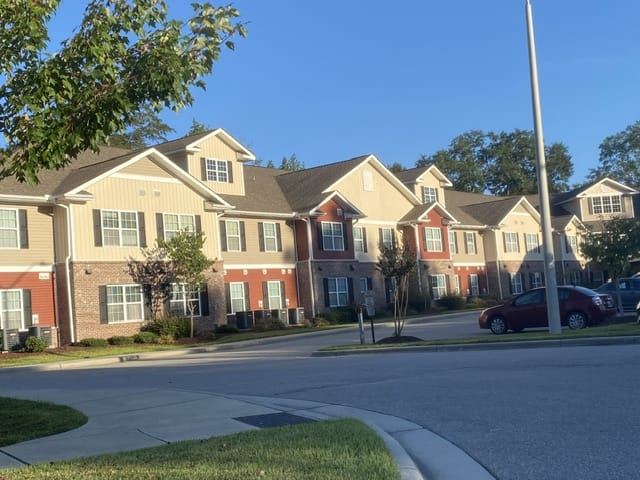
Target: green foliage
[[501, 163], [93, 342], [188, 262], [120, 340], [197, 127], [452, 302], [124, 57], [155, 274], [292, 163], [144, 127], [224, 329], [145, 337], [620, 157], [337, 316], [34, 344], [613, 244], [175, 327]]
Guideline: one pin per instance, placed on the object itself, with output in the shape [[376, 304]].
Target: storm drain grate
[[273, 420]]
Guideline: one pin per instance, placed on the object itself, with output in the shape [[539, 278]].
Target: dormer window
[[216, 170], [605, 204], [429, 194]]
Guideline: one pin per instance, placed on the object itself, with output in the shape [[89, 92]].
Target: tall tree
[[197, 127], [620, 157], [146, 127], [126, 54], [613, 244], [396, 167], [292, 163], [155, 275]]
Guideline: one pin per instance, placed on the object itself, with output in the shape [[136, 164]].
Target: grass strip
[[332, 450], [24, 420]]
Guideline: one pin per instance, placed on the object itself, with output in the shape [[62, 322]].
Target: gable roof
[[419, 213], [583, 191], [415, 175], [191, 144]]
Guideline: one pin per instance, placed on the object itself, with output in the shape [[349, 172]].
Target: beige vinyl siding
[[60, 233], [216, 148], [384, 203], [146, 168], [40, 239], [429, 180], [519, 223], [462, 256], [627, 208], [252, 254], [149, 197]]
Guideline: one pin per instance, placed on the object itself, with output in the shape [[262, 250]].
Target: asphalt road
[[547, 413]]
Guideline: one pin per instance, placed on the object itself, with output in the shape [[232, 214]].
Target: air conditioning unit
[[43, 333], [11, 339], [296, 316]]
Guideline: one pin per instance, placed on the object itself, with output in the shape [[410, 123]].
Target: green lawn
[[25, 420], [332, 450]]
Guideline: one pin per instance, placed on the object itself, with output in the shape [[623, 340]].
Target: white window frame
[[457, 287], [438, 285], [217, 170], [515, 280], [433, 239], [108, 240], [237, 294], [511, 244], [274, 295], [125, 298], [338, 291], [577, 277], [8, 231], [332, 236], [470, 243], [181, 296], [388, 237], [429, 194], [603, 204], [270, 238], [232, 237], [532, 242], [182, 222], [474, 284], [453, 242], [8, 308], [537, 280], [572, 244], [358, 239]]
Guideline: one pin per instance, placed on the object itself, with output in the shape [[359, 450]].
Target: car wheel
[[498, 325], [576, 320]]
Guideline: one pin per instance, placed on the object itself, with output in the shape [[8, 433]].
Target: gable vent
[[339, 212]]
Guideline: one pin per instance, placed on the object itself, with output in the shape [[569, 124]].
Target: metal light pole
[[553, 306]]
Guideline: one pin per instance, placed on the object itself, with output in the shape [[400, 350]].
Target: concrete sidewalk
[[153, 417]]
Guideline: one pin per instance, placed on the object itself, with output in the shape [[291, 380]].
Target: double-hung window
[[531, 242], [270, 236], [184, 297], [217, 170], [388, 238], [237, 297], [474, 284], [433, 239], [537, 279], [274, 295], [511, 244], [515, 280], [11, 310], [438, 286], [470, 243], [119, 228], [359, 240], [572, 244], [337, 291], [9, 228], [453, 242], [233, 235], [429, 194], [175, 223], [606, 204], [124, 303], [332, 236]]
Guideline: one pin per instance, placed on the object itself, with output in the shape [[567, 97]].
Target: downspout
[[309, 259], [417, 243], [67, 266], [495, 236]]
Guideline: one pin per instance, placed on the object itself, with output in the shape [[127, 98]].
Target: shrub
[[339, 315], [93, 342], [145, 337], [165, 340], [177, 327], [34, 344], [320, 322], [477, 302], [120, 340], [452, 302], [226, 329]]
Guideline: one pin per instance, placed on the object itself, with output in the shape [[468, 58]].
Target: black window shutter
[[530, 280], [278, 238], [97, 228], [364, 239], [283, 295], [369, 283], [102, 300], [345, 236], [223, 235], [320, 237], [230, 171], [227, 296], [590, 203], [160, 226], [261, 236], [204, 300], [198, 223], [203, 168], [26, 307], [265, 296], [381, 239], [243, 238], [350, 288], [24, 228], [325, 283], [511, 279], [147, 314], [142, 232], [247, 299]]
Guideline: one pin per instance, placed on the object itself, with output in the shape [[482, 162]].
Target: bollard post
[[360, 325]]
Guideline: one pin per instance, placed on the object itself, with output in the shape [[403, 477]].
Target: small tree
[[396, 264], [613, 245], [188, 262], [155, 275]]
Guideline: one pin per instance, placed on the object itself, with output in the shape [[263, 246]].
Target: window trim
[[4, 310], [125, 303], [431, 243], [331, 240], [337, 292], [612, 204], [120, 229], [437, 290], [232, 298], [169, 234], [429, 194], [216, 170], [233, 236], [474, 286], [184, 300], [453, 242], [470, 243], [528, 236], [388, 242], [511, 243], [16, 229], [266, 238], [516, 286]]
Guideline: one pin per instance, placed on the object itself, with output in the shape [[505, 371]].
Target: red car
[[579, 307]]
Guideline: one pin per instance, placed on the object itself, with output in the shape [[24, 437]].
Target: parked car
[[629, 292], [638, 312], [579, 307]]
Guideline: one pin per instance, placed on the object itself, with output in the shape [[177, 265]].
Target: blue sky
[[335, 79]]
